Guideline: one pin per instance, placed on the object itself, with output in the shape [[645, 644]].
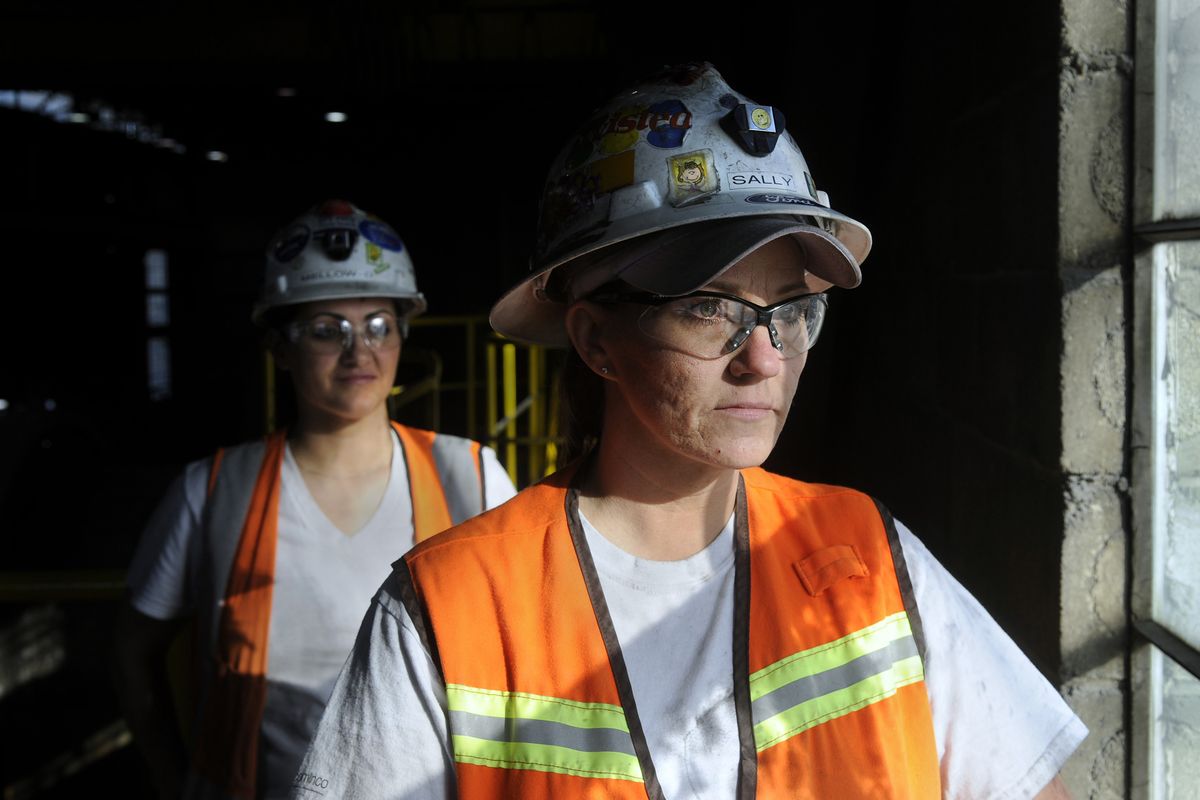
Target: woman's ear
[[585, 328], [278, 348]]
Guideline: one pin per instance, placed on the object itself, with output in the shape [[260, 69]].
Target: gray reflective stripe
[[833, 680], [460, 473], [538, 731]]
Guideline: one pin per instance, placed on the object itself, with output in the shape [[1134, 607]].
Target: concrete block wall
[[1094, 132]]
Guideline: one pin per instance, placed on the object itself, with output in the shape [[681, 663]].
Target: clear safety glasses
[[709, 325], [327, 334]]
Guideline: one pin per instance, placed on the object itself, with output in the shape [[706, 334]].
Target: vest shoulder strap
[[445, 479]]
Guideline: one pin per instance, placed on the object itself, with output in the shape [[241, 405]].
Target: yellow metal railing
[[526, 436]]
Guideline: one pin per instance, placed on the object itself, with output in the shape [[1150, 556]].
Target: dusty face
[[725, 412], [348, 385]]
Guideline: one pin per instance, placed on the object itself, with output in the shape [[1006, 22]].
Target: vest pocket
[[829, 565]]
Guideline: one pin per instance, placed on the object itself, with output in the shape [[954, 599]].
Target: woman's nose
[[357, 348], [757, 355]]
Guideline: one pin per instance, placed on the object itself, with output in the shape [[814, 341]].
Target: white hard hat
[[337, 250], [669, 185]]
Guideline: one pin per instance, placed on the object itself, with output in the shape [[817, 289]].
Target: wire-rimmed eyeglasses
[[709, 325], [327, 334]]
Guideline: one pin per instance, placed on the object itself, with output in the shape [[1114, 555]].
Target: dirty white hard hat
[[337, 250], [667, 186]]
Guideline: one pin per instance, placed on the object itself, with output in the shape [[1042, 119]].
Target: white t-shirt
[[324, 580], [1002, 731]]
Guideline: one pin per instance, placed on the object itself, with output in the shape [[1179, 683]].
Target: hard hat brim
[[674, 261]]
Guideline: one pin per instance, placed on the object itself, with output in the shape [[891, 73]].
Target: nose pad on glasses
[[771, 329], [350, 340], [739, 338]]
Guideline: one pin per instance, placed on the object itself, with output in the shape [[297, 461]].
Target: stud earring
[[604, 370]]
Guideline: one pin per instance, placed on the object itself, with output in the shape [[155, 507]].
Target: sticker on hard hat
[[783, 199], [761, 179], [375, 257], [692, 176], [380, 233], [335, 208], [332, 275], [666, 124], [291, 243], [576, 192]]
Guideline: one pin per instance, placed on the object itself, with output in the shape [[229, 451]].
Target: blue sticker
[[379, 232], [668, 122], [783, 199], [292, 243]]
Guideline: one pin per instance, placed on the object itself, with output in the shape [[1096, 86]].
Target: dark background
[[935, 385]]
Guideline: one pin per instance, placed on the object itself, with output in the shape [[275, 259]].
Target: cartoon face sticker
[[693, 176], [761, 118], [690, 173]]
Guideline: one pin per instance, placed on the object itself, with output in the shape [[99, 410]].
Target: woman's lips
[[747, 411]]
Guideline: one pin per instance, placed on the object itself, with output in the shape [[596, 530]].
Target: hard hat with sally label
[[668, 185]]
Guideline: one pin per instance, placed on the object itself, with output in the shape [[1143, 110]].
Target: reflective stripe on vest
[[826, 682], [517, 730]]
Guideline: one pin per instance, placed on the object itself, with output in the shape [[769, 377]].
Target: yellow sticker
[[612, 172], [620, 131], [761, 117], [693, 176], [375, 257]]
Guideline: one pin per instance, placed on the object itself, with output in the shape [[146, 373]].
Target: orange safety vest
[[827, 671], [445, 479]]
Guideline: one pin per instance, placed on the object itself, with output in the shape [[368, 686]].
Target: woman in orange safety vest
[[663, 618], [273, 547]]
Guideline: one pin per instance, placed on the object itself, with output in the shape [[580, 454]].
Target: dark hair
[[581, 408]]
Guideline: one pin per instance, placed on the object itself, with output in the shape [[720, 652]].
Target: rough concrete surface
[[1095, 26], [1093, 584], [1091, 171], [1097, 769], [1093, 375], [1095, 116]]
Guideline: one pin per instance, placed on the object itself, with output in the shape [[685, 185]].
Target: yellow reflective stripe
[[546, 758], [519, 730], [522, 705], [830, 706], [829, 656]]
